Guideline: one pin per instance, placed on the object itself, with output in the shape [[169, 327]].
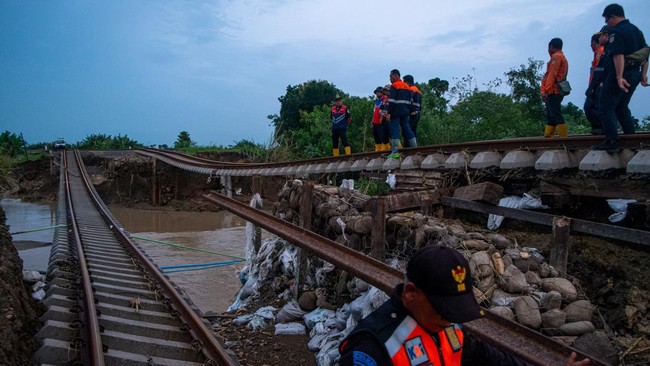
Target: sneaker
[[393, 156], [611, 146]]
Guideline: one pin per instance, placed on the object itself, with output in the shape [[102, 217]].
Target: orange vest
[[410, 344]]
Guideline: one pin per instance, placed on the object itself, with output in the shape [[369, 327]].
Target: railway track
[[539, 153], [529, 345], [108, 304]]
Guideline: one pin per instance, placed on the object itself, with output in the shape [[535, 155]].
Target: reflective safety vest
[[410, 344], [399, 101], [340, 116]]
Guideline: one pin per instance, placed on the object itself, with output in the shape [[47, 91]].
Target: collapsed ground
[[613, 276]]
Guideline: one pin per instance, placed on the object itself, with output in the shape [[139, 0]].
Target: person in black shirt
[[621, 76]]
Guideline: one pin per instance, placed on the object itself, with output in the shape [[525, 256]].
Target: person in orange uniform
[[341, 119], [419, 324], [416, 106], [399, 112], [557, 69], [598, 41]]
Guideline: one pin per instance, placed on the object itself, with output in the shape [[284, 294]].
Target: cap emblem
[[459, 274]]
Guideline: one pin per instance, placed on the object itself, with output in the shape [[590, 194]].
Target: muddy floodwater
[[220, 237], [31, 229]]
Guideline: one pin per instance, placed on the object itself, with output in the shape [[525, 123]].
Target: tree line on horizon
[[302, 129], [450, 113]]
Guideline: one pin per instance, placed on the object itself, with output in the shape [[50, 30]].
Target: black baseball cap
[[378, 89], [442, 273]]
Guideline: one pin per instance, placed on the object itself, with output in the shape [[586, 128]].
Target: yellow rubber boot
[[549, 131], [347, 150], [378, 147], [385, 147], [562, 130], [335, 152]]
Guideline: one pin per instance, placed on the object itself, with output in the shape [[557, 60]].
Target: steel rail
[[211, 348], [575, 142], [512, 337], [92, 334]]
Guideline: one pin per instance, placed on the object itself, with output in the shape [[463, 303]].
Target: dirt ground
[[614, 276]]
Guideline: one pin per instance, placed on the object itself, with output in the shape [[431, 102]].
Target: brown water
[[220, 232]]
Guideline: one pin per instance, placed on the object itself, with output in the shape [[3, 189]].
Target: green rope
[[34, 230], [186, 247]]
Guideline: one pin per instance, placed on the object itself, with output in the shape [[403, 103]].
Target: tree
[[525, 83], [184, 141], [433, 96], [301, 99], [11, 144]]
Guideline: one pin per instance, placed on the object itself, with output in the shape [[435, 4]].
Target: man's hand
[[644, 80], [623, 84], [387, 117], [572, 361]]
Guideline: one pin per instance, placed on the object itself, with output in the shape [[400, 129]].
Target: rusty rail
[[212, 349], [509, 336]]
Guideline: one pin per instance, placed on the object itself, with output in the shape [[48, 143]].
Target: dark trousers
[[378, 133], [553, 110], [339, 132], [613, 104], [591, 112]]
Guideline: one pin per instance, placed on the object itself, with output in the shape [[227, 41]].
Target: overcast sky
[[150, 69]]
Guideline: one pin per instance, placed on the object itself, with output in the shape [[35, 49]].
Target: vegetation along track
[[108, 304]]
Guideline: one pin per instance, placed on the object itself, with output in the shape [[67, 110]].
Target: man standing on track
[[598, 41], [341, 119], [557, 69], [399, 111], [415, 106], [625, 66]]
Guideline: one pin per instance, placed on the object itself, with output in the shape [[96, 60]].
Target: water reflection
[[26, 217]]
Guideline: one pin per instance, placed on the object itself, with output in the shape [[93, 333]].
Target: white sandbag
[[619, 206], [290, 329], [289, 313], [316, 316]]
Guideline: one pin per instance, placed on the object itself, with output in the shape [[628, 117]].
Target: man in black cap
[[377, 127], [419, 324], [341, 119], [622, 74]]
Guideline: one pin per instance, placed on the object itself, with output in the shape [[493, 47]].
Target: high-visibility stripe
[[394, 343]]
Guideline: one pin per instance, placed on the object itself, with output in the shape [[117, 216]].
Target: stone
[[577, 328], [514, 281], [533, 278], [561, 285], [479, 264], [527, 312], [578, 311], [504, 312], [554, 318], [598, 345], [307, 301]]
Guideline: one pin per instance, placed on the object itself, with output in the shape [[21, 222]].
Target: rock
[[598, 345], [502, 298], [578, 311], [549, 300], [480, 264], [561, 285], [457, 231], [498, 263], [504, 312], [514, 281], [499, 241], [533, 279], [554, 318], [307, 301], [527, 312], [474, 244], [577, 328], [486, 286], [526, 264]]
